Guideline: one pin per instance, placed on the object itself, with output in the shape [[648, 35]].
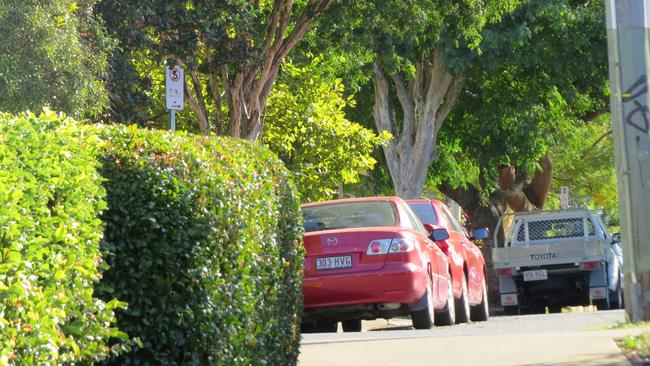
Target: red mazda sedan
[[371, 258], [466, 262]]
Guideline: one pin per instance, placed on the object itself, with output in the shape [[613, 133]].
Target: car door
[[438, 262], [471, 254]]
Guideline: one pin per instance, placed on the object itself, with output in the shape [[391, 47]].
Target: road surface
[[578, 338]]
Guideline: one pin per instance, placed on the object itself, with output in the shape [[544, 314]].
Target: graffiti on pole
[[637, 117]]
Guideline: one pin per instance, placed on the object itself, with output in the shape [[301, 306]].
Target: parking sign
[[564, 197], [174, 87]]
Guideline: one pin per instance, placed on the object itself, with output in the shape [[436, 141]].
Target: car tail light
[[504, 271], [443, 245], [390, 246], [587, 266], [401, 245], [379, 247]]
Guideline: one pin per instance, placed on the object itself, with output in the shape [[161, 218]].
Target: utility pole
[[628, 38]]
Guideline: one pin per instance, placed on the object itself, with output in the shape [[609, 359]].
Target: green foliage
[[203, 240], [398, 33], [543, 72], [212, 37], [50, 200], [307, 128], [584, 162], [52, 53]]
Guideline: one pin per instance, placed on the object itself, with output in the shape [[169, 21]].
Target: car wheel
[[481, 312], [424, 318], [448, 315], [309, 327], [351, 325], [617, 296], [462, 304], [326, 326], [511, 310]]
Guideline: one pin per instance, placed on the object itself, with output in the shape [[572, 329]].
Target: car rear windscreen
[[348, 215]]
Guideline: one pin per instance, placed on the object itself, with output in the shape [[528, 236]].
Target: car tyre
[[326, 326], [424, 318], [309, 327], [481, 312], [448, 315], [351, 325], [462, 304]]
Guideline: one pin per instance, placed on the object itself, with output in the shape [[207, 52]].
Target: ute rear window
[[348, 215]]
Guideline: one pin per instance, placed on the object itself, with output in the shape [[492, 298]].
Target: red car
[[466, 262], [371, 258]]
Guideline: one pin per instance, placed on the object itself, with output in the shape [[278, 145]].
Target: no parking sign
[[174, 87]]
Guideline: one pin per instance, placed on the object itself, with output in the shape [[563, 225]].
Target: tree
[[52, 53], [546, 79], [307, 128], [231, 51], [584, 162], [418, 54]]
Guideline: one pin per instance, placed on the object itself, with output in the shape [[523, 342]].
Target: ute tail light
[[390, 246], [504, 271], [588, 266]]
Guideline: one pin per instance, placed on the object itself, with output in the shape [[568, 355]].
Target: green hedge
[[50, 200], [203, 238]]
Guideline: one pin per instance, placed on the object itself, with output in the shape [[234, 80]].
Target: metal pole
[[173, 118], [629, 65]]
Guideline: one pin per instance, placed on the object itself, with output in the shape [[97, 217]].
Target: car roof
[[356, 199], [423, 200]]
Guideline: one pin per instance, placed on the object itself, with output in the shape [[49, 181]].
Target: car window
[[455, 225], [349, 215], [425, 212], [415, 221]]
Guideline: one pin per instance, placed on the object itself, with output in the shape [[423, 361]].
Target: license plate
[[344, 261], [537, 275]]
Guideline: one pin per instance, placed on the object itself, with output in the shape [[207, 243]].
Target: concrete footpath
[[581, 348]]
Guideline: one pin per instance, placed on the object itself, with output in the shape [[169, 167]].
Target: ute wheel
[[351, 325], [448, 315], [481, 312], [511, 310], [462, 304], [424, 318], [602, 304], [326, 326]]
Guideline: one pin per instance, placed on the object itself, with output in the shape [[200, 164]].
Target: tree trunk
[[246, 86], [425, 100]]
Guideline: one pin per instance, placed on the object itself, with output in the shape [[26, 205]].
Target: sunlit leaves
[[50, 200], [306, 126], [52, 54]]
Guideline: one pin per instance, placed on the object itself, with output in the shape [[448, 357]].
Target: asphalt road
[[577, 338]]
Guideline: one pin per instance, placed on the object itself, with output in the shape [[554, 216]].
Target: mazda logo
[[332, 241]]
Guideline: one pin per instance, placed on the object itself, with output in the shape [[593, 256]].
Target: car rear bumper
[[403, 283]]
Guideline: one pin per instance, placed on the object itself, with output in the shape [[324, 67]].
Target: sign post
[[564, 197], [174, 92], [628, 39]]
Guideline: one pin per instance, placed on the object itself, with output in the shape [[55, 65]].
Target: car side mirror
[[616, 238], [480, 233], [439, 234]]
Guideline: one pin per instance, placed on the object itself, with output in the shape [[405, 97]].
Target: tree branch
[[204, 124]]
